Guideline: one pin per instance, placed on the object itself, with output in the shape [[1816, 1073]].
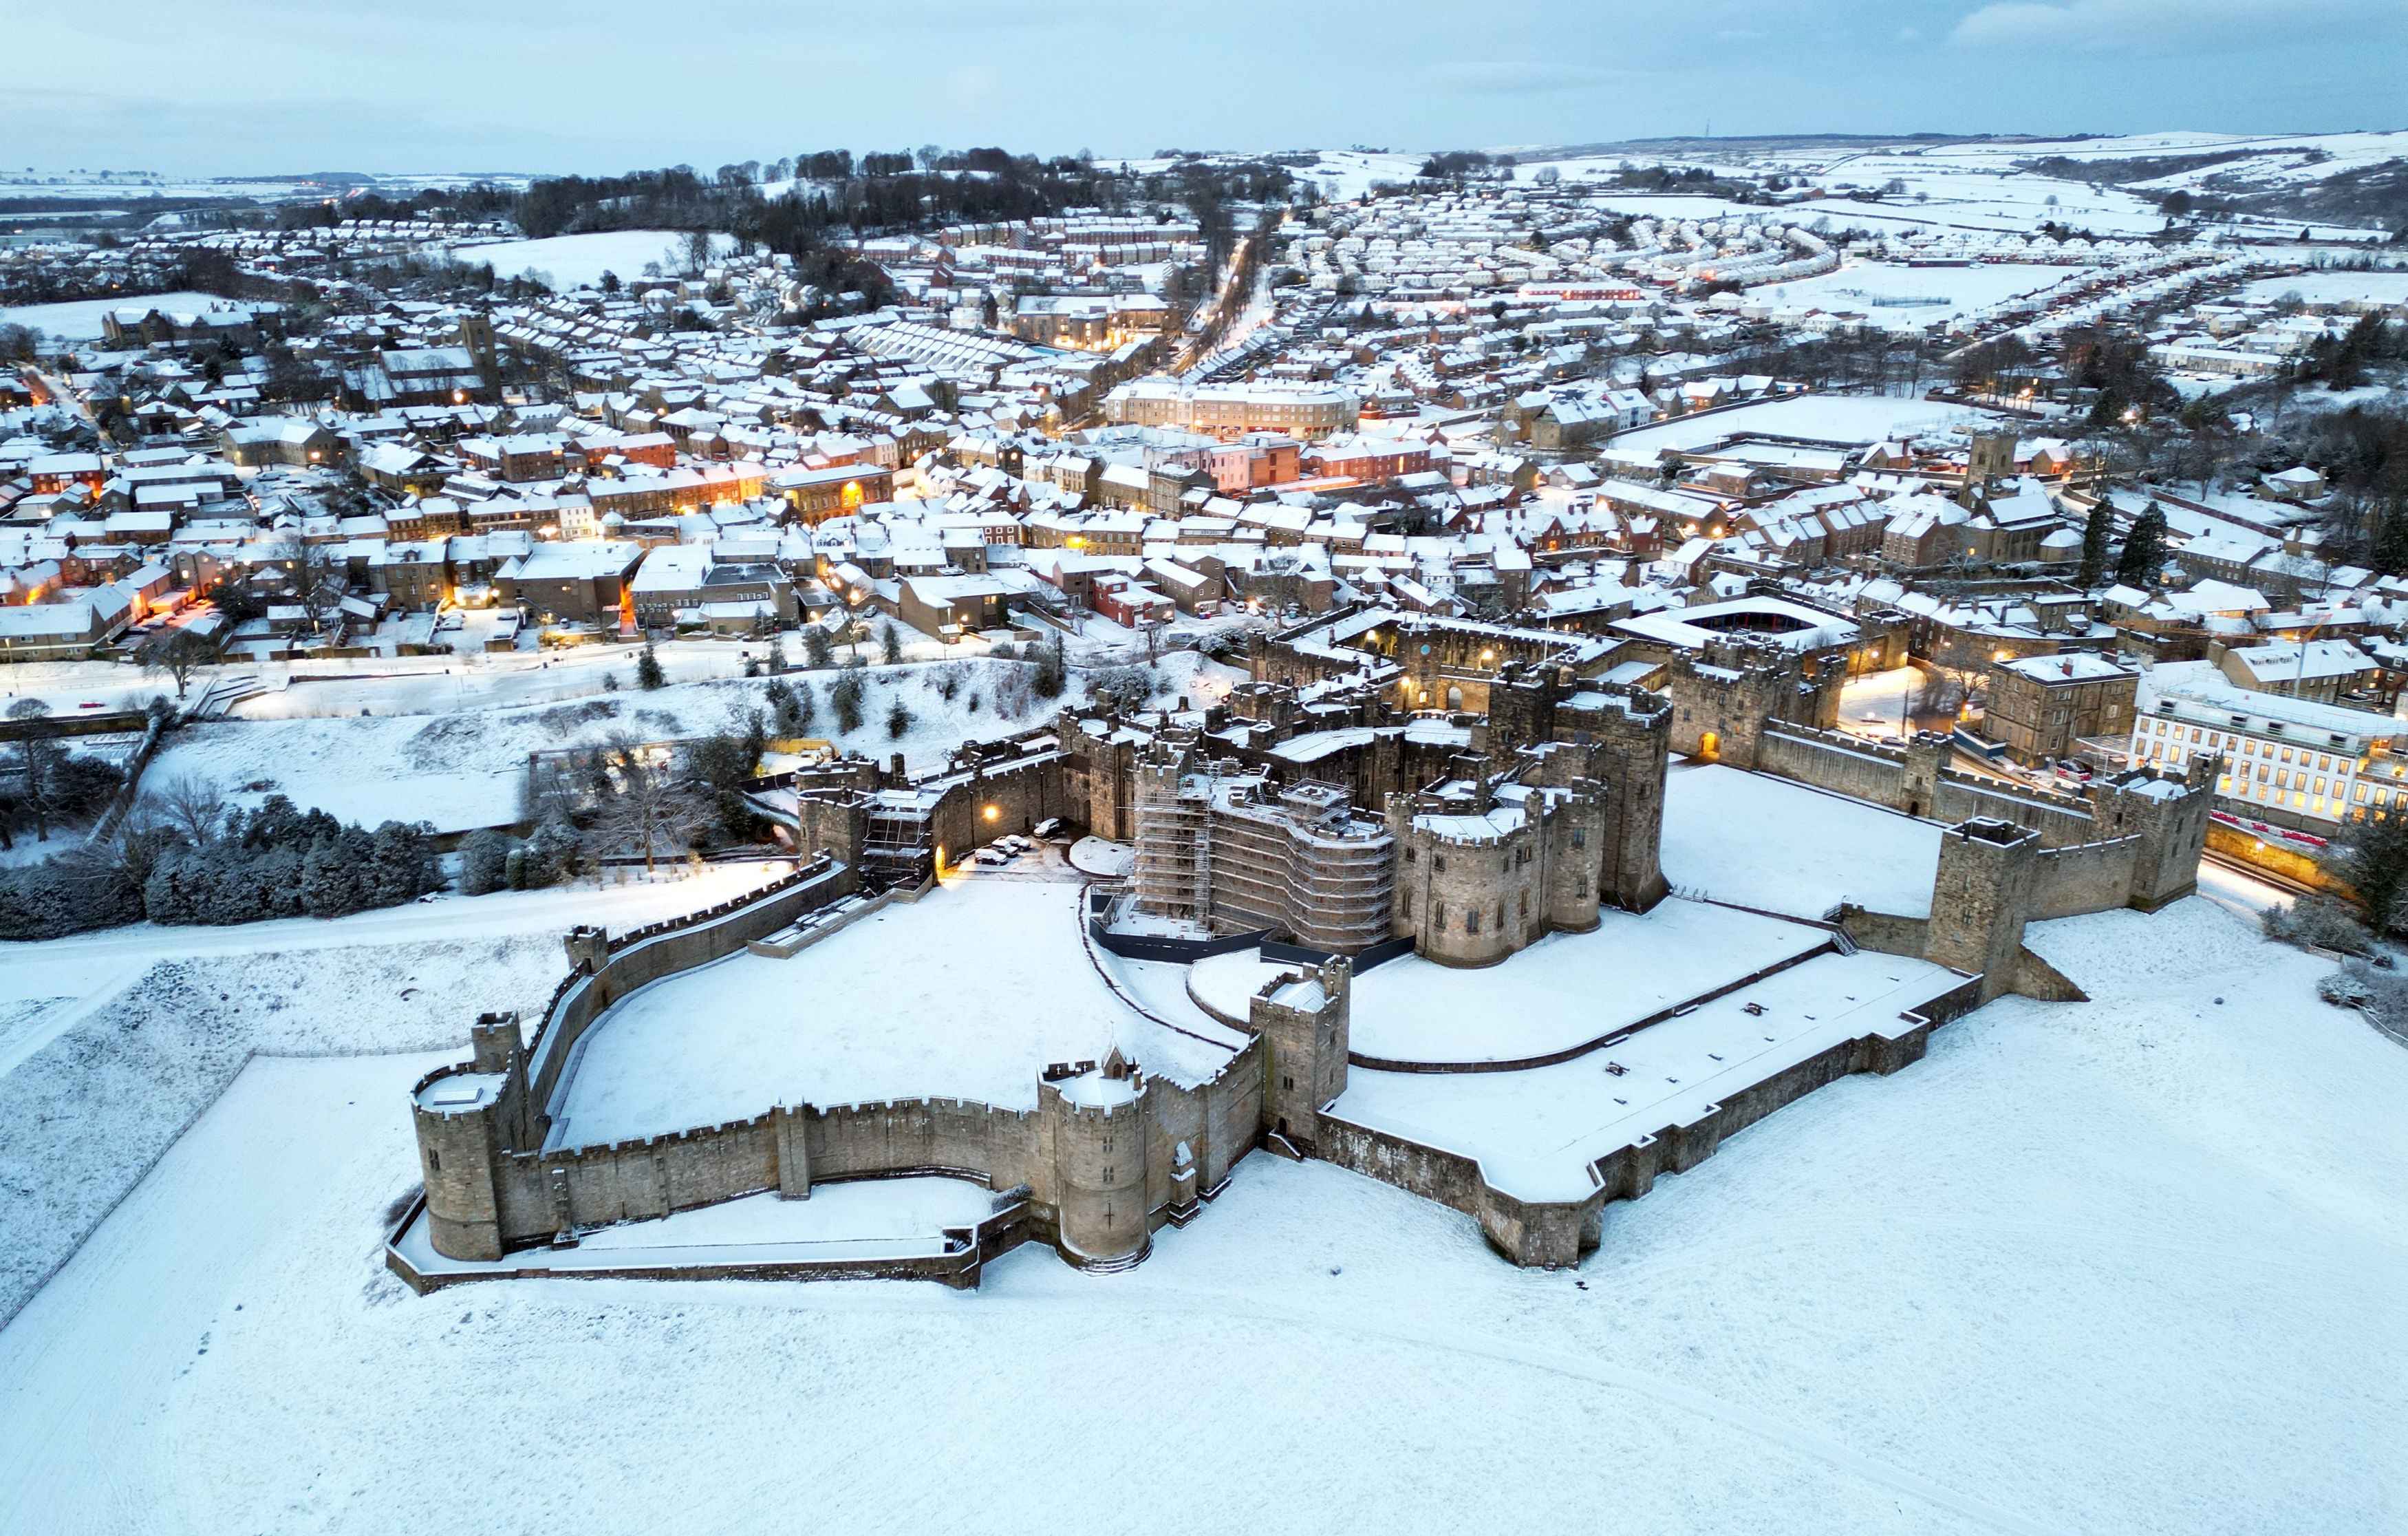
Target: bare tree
[[37, 760], [316, 580], [191, 806], [647, 804], [177, 652]]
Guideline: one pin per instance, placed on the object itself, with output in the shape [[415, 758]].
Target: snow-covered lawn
[[79, 320], [579, 261], [362, 771], [1825, 417], [1565, 990], [866, 1219], [969, 993], [2128, 1266], [1769, 844]]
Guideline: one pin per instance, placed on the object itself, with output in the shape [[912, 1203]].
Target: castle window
[[1286, 1082], [1409, 903], [1438, 863], [1526, 906], [434, 1160], [1580, 887], [1471, 921], [1108, 1175], [1580, 837], [1409, 856], [1438, 916]]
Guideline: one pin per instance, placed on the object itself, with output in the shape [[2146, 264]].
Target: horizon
[[459, 87]]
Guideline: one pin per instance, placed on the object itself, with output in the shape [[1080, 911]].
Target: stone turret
[[467, 1119], [1617, 754], [588, 946], [1302, 1020], [1096, 1122]]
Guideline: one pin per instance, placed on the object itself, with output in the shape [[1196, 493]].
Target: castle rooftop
[[460, 1092]]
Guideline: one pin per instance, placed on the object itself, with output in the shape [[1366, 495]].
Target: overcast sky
[[242, 86]]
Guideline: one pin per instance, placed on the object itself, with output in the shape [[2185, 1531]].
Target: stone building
[[1229, 851], [2042, 706]]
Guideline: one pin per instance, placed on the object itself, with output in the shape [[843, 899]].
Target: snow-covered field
[[79, 320], [579, 261], [110, 1043], [452, 746], [1964, 289], [1764, 843], [1826, 418], [2127, 1266], [2330, 287]]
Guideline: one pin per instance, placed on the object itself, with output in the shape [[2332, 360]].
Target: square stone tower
[[1302, 1022]]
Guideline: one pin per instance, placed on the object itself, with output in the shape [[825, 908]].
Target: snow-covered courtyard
[[1778, 846], [2130, 1265], [969, 993], [1561, 993]]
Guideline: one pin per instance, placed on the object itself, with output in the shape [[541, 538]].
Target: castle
[[1250, 826]]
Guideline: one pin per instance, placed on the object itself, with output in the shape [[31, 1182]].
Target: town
[[1313, 732]]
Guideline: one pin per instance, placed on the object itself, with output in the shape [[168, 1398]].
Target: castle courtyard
[[968, 993]]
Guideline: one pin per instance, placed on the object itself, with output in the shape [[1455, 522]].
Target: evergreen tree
[[889, 644], [1052, 670], [327, 886], [484, 861], [551, 855], [2144, 549], [2373, 856], [401, 865], [817, 649], [845, 695], [2098, 541], [898, 719], [648, 667]]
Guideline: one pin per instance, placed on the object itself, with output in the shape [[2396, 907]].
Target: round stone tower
[[456, 1115], [1095, 1120]]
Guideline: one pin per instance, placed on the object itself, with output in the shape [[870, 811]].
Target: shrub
[[2319, 921]]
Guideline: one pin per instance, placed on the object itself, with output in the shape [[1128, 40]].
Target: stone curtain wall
[[1913, 780], [2060, 824], [1864, 771], [648, 953], [2090, 876], [1022, 791], [546, 1193]]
